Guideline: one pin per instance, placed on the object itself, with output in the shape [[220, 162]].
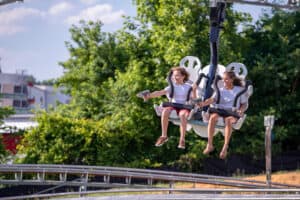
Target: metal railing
[[3, 2], [101, 176], [137, 180], [283, 4], [177, 194]]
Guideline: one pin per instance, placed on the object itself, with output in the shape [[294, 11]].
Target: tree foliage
[[94, 57], [274, 51]]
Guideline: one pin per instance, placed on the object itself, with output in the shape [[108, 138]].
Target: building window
[[25, 91], [17, 89], [20, 104], [17, 103], [24, 104], [41, 100], [20, 89]]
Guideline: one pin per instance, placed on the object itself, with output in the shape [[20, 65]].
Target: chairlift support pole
[[217, 17], [284, 4], [3, 2]]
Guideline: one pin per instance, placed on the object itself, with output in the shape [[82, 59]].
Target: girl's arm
[[242, 109], [194, 91], [155, 94], [206, 102]]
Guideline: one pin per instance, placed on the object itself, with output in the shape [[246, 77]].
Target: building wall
[[7, 88], [17, 92], [6, 102], [38, 97], [47, 96], [14, 91], [55, 95]]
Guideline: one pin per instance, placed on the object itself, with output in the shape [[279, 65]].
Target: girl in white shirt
[[232, 86], [181, 91]]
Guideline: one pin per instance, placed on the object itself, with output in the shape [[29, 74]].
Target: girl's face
[[178, 77], [228, 82]]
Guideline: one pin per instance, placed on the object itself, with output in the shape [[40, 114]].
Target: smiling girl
[[181, 91]]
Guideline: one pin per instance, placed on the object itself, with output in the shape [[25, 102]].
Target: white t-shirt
[[180, 92], [227, 97]]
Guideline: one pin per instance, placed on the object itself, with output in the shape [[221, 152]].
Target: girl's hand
[[240, 112], [194, 86], [146, 96], [201, 104]]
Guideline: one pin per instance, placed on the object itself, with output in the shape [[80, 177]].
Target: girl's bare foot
[[181, 144], [223, 153], [208, 149]]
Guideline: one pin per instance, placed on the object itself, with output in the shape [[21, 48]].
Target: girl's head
[[179, 74], [230, 79]]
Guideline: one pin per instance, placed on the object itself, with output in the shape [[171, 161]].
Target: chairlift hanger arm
[[3, 2], [217, 17], [281, 4]]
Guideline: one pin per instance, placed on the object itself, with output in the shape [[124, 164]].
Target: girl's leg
[[164, 126], [228, 130], [165, 121], [211, 130], [183, 115]]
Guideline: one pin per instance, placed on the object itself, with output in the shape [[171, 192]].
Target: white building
[[45, 97], [17, 91]]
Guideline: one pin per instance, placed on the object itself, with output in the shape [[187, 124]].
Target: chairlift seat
[[197, 75]]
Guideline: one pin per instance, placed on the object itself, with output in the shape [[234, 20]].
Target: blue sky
[[33, 33]]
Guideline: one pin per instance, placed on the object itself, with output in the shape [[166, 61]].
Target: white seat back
[[239, 69], [220, 71], [192, 65]]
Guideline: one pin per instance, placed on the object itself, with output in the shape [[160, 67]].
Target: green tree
[[94, 57], [273, 53]]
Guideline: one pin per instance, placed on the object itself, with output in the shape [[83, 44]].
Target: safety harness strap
[[171, 95], [248, 82]]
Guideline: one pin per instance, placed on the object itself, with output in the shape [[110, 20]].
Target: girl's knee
[[229, 121], [183, 118], [213, 117], [167, 110], [183, 114]]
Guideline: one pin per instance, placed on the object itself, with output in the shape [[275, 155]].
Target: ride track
[[128, 180]]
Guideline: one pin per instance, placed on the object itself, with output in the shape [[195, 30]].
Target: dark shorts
[[178, 110], [224, 113], [178, 107]]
